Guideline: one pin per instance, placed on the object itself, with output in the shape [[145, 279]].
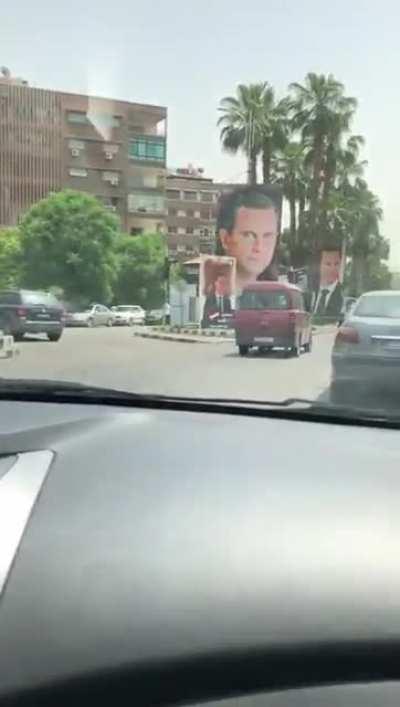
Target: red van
[[272, 314]]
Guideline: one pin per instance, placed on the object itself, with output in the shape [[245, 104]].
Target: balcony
[[147, 204], [146, 149]]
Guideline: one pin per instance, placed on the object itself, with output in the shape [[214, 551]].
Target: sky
[[188, 55]]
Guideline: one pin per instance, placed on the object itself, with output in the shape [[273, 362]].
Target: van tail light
[[22, 313], [347, 335]]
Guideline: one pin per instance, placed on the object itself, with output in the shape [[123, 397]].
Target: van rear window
[[274, 299]]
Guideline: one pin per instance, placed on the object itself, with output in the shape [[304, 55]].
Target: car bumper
[[41, 327], [279, 342], [366, 370]]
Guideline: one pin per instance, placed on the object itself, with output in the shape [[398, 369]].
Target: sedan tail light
[[347, 335], [22, 313]]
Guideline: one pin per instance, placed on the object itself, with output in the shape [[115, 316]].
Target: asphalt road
[[116, 358]]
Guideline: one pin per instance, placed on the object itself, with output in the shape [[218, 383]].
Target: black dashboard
[[183, 556]]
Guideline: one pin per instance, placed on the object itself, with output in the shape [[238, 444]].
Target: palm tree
[[290, 172], [275, 128], [241, 124], [322, 113]]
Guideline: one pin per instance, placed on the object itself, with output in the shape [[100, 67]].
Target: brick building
[[112, 149], [191, 212]]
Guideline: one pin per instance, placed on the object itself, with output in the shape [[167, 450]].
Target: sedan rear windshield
[[43, 298], [378, 306], [274, 299]]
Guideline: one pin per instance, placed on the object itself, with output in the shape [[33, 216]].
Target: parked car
[[154, 316], [31, 312], [366, 352], [94, 315], [272, 314], [128, 314]]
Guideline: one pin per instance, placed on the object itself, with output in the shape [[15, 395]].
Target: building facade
[[111, 149], [191, 212]]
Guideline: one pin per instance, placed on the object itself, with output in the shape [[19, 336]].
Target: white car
[[94, 315], [128, 315]]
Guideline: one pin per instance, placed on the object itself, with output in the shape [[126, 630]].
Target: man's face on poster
[[252, 240], [221, 286], [330, 267]]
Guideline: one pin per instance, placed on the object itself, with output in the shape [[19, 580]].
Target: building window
[[78, 172], [111, 177], [207, 196], [135, 231], [189, 231], [171, 229], [189, 213], [206, 214], [147, 149], [197, 214], [173, 194], [181, 213], [171, 212], [76, 117], [77, 145], [146, 202], [190, 195]]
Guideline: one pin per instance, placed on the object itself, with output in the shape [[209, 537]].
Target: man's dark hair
[[249, 197]]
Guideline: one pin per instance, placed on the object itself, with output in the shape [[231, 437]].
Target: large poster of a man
[[217, 289], [248, 224], [328, 300]]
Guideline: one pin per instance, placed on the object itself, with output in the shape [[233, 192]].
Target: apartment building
[[114, 150], [191, 212]]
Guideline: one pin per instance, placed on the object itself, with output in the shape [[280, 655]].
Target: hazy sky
[[187, 55]]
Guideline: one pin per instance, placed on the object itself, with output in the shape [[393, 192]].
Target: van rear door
[[264, 317]]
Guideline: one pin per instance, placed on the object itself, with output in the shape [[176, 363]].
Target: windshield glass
[[39, 298], [264, 300], [378, 306], [166, 163]]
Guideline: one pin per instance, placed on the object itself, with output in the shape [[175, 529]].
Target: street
[[118, 359]]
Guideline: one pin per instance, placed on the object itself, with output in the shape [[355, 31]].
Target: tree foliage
[[141, 266], [10, 257], [68, 241], [305, 144]]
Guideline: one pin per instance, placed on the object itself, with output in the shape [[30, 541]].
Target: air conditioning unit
[[75, 152], [108, 155], [112, 208], [114, 181]]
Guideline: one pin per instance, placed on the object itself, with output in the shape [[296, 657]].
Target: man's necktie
[[322, 302]]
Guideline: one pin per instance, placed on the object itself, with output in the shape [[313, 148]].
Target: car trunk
[[42, 313], [377, 336], [267, 326]]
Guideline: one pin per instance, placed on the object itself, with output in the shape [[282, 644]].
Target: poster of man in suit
[[217, 288], [328, 301]]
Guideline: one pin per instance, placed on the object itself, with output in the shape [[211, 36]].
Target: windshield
[[166, 164], [39, 298], [264, 300], [378, 306]]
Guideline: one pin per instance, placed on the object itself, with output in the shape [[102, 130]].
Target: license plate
[[264, 340], [43, 316]]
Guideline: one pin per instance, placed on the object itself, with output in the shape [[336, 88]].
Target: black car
[[30, 312]]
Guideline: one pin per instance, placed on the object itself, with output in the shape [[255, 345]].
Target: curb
[[184, 339]]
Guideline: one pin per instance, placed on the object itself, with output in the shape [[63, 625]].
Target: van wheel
[[308, 346], [243, 349]]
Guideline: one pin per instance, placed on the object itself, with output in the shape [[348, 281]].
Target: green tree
[[10, 257], [68, 241], [141, 270], [322, 114]]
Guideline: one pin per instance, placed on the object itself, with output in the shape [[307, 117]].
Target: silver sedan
[[366, 353]]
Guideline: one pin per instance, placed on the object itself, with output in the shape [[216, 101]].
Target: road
[[116, 358]]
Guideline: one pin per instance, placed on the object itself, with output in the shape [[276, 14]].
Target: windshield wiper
[[299, 408]]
